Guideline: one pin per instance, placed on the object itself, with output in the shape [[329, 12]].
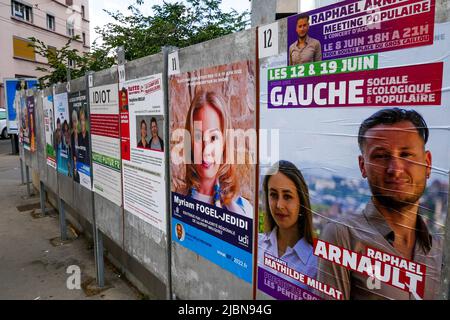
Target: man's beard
[[392, 202]]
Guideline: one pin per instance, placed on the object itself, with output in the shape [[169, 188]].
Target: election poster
[[14, 99], [355, 205], [61, 136], [49, 128], [105, 133], [213, 156], [143, 158], [28, 122], [354, 28], [79, 138]]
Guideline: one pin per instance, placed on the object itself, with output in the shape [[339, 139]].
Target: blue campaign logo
[[84, 169], [225, 255], [223, 237]]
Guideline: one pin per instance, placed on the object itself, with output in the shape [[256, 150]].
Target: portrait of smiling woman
[[143, 139], [288, 230], [208, 177]]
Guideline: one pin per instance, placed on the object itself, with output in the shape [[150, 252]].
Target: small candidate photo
[[84, 146], [287, 221], [64, 155], [149, 132], [305, 48], [123, 96], [180, 233], [79, 139]]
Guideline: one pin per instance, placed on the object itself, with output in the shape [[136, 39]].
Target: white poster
[[142, 123], [49, 127], [105, 135]]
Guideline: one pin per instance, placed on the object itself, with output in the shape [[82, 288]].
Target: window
[[2, 115], [84, 38], [72, 64], [19, 10], [51, 51], [70, 29], [50, 22], [23, 50], [83, 12]]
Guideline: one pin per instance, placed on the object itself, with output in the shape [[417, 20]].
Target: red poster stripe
[[106, 125]]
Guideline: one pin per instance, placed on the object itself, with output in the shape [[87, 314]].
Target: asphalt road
[[5, 146]]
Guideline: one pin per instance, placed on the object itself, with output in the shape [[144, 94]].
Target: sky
[[99, 18]]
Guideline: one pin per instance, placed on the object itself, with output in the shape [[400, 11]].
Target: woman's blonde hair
[[226, 174]]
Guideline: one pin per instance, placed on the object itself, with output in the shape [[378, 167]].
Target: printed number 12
[[268, 38]]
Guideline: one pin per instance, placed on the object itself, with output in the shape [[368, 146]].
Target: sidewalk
[[33, 264]]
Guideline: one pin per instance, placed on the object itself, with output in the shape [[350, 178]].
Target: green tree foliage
[[58, 59], [56, 69], [178, 24]]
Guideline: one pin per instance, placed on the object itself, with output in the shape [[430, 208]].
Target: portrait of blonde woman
[[209, 178]]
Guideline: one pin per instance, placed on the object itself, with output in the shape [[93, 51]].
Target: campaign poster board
[[356, 192], [212, 183], [49, 128], [143, 159], [79, 138], [353, 28], [14, 99], [105, 134], [61, 136]]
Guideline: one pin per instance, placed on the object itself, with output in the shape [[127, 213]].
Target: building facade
[[52, 21]]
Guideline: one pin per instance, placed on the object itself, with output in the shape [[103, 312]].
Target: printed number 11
[[174, 64]]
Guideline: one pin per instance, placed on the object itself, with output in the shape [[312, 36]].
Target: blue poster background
[[226, 250], [10, 92]]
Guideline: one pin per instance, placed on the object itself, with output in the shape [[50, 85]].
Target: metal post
[[166, 51], [120, 55], [13, 150], [43, 196], [21, 171], [96, 234], [27, 175], [445, 272], [62, 220], [98, 252]]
